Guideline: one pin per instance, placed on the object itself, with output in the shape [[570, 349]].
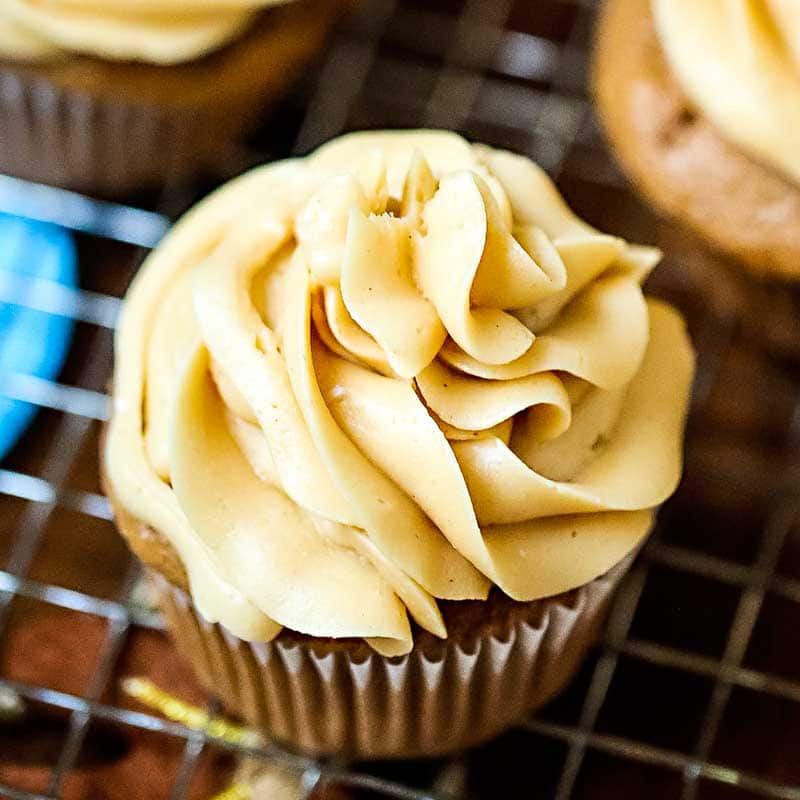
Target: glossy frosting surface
[[739, 63], [396, 371], [155, 31]]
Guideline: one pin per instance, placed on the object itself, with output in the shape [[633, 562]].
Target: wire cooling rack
[[695, 689]]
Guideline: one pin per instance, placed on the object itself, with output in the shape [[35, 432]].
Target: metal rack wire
[[695, 689]]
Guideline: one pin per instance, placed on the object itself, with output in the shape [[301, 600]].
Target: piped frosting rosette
[[396, 371], [739, 64], [156, 31]]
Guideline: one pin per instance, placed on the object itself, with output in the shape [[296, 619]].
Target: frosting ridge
[[396, 371], [739, 63], [165, 32]]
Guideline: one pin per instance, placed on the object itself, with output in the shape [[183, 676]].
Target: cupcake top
[[739, 63], [154, 31], [395, 371]]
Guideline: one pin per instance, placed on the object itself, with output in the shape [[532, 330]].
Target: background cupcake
[[366, 458], [110, 97], [701, 103]]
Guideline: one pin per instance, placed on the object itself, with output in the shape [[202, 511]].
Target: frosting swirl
[[738, 61], [156, 31], [396, 371]]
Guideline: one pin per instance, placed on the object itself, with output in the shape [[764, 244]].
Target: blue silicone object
[[32, 342]]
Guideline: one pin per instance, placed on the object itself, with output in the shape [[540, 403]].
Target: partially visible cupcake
[[108, 96], [701, 103], [389, 423]]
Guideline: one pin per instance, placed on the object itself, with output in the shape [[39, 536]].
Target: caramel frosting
[[738, 61], [396, 371], [155, 31]]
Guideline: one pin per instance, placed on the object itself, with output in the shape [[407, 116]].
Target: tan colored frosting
[[156, 31], [739, 62], [396, 371]]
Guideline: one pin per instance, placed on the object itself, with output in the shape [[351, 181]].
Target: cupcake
[[107, 97], [701, 103], [389, 422]]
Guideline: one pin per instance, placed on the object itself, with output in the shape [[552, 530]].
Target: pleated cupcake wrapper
[[431, 701], [65, 137]]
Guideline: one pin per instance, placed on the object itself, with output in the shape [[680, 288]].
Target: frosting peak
[[739, 62], [396, 371], [157, 31]]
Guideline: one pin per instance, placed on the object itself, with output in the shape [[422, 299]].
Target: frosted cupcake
[[701, 103], [112, 95], [389, 422]]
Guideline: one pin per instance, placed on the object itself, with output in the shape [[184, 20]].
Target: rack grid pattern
[[698, 647]]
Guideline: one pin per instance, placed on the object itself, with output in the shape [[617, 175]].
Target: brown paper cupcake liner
[[446, 695], [63, 137]]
